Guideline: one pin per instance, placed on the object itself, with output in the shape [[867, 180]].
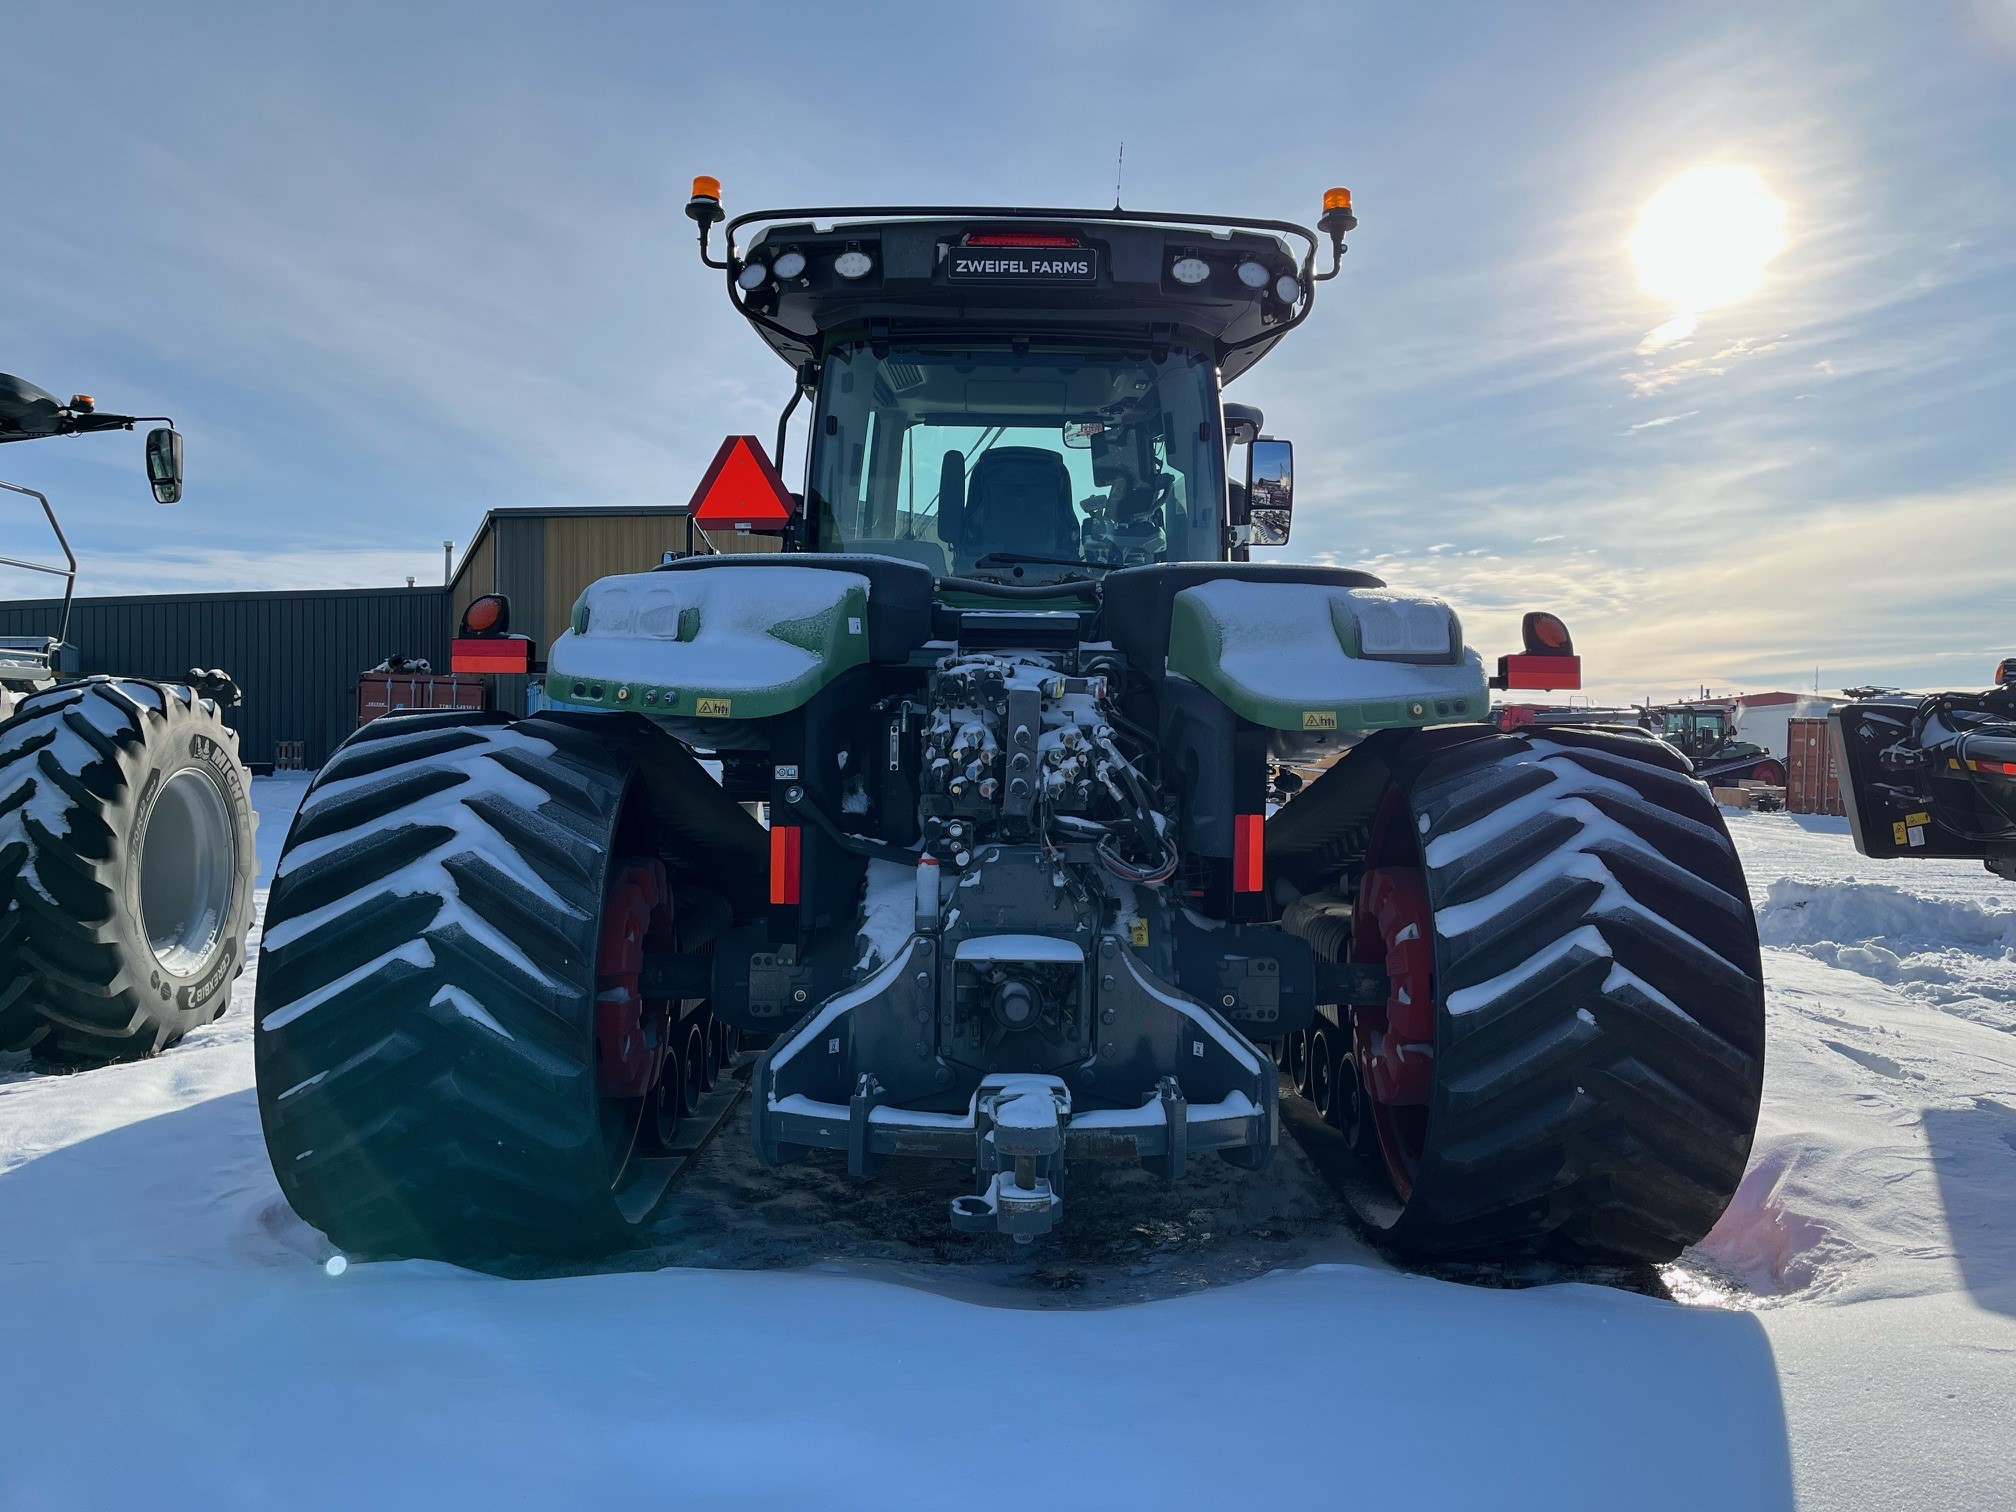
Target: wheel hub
[[1397, 925], [1394, 922], [188, 862], [630, 1031]]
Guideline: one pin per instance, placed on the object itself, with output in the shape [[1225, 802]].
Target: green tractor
[[1009, 689]]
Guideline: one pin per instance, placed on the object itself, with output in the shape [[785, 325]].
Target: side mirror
[[164, 464], [1270, 490]]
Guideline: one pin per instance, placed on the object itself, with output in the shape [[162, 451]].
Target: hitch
[[1019, 1138]]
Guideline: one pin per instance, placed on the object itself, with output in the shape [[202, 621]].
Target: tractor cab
[[1023, 396], [1701, 731]]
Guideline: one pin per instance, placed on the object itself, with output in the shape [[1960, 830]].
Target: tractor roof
[[1002, 273]]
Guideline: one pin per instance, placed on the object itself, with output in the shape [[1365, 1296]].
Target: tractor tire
[[427, 1024], [1587, 1082], [126, 869]]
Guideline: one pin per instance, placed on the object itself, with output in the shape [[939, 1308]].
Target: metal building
[[296, 655]]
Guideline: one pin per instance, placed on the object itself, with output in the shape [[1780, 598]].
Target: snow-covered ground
[[1846, 1338]]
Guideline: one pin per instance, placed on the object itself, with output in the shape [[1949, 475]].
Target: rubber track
[[69, 756], [1599, 1074], [425, 1008]]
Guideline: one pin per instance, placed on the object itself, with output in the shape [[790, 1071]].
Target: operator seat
[[1018, 498]]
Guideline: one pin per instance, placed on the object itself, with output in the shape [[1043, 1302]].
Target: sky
[[389, 266]]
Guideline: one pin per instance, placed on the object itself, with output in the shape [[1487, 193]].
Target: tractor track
[[1357, 1183]]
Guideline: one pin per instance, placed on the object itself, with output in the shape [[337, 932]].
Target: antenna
[[1119, 168]]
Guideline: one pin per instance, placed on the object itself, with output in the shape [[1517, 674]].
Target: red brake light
[[1545, 672], [1018, 239], [510, 655]]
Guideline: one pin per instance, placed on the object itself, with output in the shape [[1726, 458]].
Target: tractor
[[126, 822], [1707, 734], [957, 801]]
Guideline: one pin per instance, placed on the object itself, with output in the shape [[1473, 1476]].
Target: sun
[[1704, 240]]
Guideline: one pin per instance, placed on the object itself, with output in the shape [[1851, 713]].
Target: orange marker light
[[1550, 632], [705, 186], [1336, 199], [485, 616]]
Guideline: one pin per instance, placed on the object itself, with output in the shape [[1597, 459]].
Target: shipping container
[[1812, 786]]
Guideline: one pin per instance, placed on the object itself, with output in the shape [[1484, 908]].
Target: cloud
[[1769, 601], [1676, 330], [385, 288]]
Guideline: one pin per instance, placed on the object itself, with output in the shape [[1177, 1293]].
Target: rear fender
[[733, 644], [1313, 657]]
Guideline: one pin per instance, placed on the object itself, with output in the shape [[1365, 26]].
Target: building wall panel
[[580, 549], [476, 576], [296, 655]]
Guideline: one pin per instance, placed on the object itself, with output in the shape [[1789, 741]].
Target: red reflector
[[741, 490], [2005, 768], [1543, 671], [784, 873], [1018, 239], [1249, 852], [508, 654]]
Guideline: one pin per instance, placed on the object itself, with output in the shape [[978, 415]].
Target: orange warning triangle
[[741, 490]]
